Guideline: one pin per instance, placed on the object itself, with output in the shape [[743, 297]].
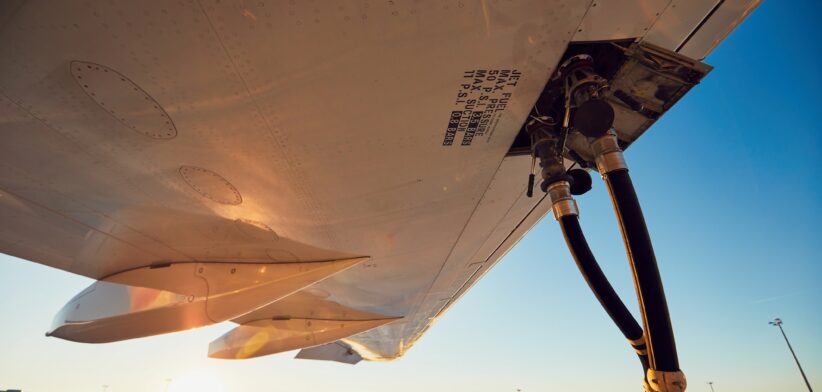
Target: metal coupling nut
[[611, 161], [662, 381], [607, 153], [562, 203]]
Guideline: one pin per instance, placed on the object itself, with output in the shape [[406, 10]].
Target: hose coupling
[[666, 381], [608, 154], [562, 203]]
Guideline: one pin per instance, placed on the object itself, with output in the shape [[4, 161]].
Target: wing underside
[[259, 141]]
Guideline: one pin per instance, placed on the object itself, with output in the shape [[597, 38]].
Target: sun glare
[[196, 381]]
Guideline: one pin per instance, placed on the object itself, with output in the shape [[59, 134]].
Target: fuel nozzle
[[546, 149], [577, 89], [583, 91], [593, 116], [581, 80]]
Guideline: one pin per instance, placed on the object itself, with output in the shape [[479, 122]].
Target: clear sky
[[731, 187]]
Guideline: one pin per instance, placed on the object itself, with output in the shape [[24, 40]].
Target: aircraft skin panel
[[615, 20], [672, 27], [505, 193], [331, 138], [723, 19], [135, 134], [517, 214], [690, 27], [131, 170]]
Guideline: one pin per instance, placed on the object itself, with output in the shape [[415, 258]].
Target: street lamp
[[778, 322], [711, 384]]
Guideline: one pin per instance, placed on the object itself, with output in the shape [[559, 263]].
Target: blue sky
[[731, 187]]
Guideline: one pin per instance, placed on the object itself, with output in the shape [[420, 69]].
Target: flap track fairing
[[179, 296], [271, 336]]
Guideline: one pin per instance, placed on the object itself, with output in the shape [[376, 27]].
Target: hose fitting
[[562, 203], [661, 381], [608, 154]]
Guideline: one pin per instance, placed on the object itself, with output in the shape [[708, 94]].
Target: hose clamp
[[639, 345], [662, 381], [562, 203], [608, 154]]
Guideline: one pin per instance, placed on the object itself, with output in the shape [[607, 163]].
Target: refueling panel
[[642, 82]]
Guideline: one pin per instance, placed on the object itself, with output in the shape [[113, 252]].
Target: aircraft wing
[[306, 169]]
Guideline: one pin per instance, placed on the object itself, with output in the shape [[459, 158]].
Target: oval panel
[[256, 230], [211, 185], [124, 100]]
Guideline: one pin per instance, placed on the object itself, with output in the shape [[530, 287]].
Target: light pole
[[711, 384], [778, 323]]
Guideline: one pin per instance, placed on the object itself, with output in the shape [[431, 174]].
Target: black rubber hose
[[599, 284], [659, 331]]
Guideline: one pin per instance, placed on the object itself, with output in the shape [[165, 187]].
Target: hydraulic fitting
[[562, 203], [608, 154]]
